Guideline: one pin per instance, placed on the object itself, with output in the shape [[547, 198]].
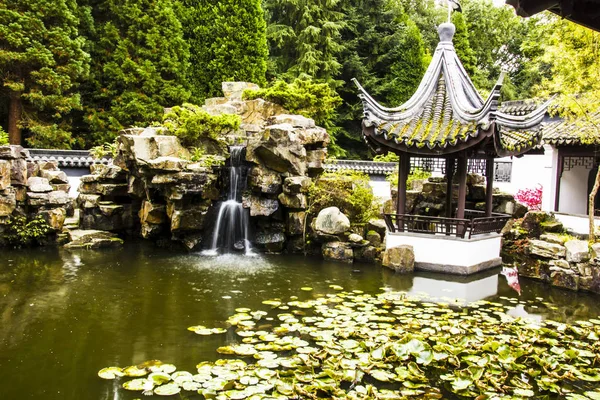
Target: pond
[[65, 315]]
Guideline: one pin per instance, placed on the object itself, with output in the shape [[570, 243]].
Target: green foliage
[[347, 190], [416, 174], [105, 150], [305, 38], [389, 157], [23, 233], [196, 128], [462, 44], [139, 62], [3, 137], [41, 61], [303, 96], [228, 42]]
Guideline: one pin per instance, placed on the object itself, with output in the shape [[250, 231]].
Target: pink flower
[[532, 198]]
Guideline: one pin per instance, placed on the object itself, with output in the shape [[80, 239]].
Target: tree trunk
[[591, 207], [14, 118]]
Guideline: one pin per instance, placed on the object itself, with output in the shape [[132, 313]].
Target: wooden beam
[[449, 186], [462, 186], [489, 188], [403, 171]]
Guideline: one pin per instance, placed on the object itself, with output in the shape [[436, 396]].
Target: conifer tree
[[305, 38], [228, 43], [139, 61], [462, 45], [41, 58], [384, 50]]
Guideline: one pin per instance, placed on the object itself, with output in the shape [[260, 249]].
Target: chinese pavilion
[[447, 118]]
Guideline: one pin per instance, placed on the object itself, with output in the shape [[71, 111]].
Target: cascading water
[[231, 227]]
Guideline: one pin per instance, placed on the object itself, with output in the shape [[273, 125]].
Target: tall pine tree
[[139, 62], [228, 43], [305, 38], [41, 59], [384, 50]]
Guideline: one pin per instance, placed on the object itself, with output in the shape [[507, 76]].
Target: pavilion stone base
[[449, 254]]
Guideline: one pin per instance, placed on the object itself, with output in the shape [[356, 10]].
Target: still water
[[65, 315]]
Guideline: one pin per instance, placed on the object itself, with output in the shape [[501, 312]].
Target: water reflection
[[64, 315]]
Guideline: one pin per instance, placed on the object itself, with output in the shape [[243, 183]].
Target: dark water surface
[[65, 315]]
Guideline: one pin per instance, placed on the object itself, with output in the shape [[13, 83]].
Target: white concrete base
[[450, 254]]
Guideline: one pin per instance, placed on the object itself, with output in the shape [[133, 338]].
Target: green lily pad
[[167, 390]]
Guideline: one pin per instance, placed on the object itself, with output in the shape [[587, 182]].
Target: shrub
[[105, 150], [21, 233], [196, 128], [303, 96], [417, 174], [389, 157], [532, 198], [347, 190], [3, 137]]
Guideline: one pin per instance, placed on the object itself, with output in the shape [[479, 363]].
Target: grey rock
[[11, 152], [297, 121], [554, 238], [367, 254], [55, 218], [295, 223], [263, 180], [377, 225], [577, 250], [563, 264], [54, 176], [235, 90], [355, 238], [401, 259], [374, 238], [8, 203], [338, 251], [38, 185], [168, 163], [293, 201], [58, 197], [273, 242], [5, 171], [260, 206], [546, 250], [103, 171], [18, 172], [88, 200], [93, 239], [564, 278], [315, 159], [332, 221], [296, 184], [37, 199]]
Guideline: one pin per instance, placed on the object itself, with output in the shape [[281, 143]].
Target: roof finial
[[453, 5]]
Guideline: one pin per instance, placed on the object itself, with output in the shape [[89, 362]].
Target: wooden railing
[[469, 227]]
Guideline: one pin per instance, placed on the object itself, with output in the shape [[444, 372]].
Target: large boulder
[[296, 184], [260, 206], [338, 251], [107, 172], [367, 254], [400, 258], [18, 172], [55, 218], [54, 176], [577, 250], [293, 201], [546, 250], [295, 223], [93, 239], [280, 150], [235, 90], [167, 163], [332, 221], [8, 202], [564, 278], [263, 180], [38, 185], [273, 242], [5, 171]]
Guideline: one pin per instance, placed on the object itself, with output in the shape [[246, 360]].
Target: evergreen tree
[[139, 61], [228, 43], [41, 58], [462, 45], [384, 50], [305, 38]]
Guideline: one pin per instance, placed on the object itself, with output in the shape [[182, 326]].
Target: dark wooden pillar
[[403, 171], [449, 179], [489, 188], [462, 186]]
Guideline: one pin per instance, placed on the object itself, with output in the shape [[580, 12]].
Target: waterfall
[[231, 227]]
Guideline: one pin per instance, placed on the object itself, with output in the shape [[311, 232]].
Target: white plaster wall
[[381, 189], [469, 291], [573, 191], [442, 250], [527, 172], [578, 224]]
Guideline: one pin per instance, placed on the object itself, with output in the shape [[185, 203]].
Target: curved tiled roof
[[446, 114], [582, 132], [66, 158]]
